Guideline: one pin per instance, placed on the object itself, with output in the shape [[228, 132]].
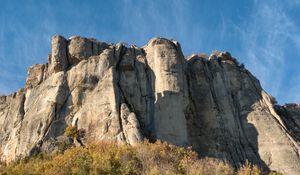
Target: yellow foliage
[[114, 159], [71, 131]]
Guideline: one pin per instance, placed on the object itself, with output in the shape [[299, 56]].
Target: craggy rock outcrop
[[125, 94], [232, 118], [290, 115]]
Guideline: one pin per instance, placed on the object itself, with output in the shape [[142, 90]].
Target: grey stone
[[59, 59]]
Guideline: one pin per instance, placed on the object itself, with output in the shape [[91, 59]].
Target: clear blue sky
[[262, 34]]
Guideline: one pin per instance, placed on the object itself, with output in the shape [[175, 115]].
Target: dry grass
[[111, 158]]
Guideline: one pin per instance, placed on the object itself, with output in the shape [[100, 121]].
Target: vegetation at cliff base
[[114, 159]]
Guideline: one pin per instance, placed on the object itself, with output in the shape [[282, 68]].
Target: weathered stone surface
[[232, 118], [126, 94], [169, 87], [36, 74], [80, 48], [11, 117], [59, 60], [290, 115], [131, 126]]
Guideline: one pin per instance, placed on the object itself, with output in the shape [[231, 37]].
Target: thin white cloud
[[142, 20], [264, 34], [264, 38], [3, 90], [293, 93]]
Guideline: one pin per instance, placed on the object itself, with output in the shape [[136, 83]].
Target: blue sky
[[264, 35]]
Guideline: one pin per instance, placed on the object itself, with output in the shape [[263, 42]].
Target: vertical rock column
[[58, 59], [167, 64]]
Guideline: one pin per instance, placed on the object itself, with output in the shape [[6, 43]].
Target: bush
[[112, 158], [248, 169], [71, 131]]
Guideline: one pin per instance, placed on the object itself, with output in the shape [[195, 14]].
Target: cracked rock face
[[125, 94]]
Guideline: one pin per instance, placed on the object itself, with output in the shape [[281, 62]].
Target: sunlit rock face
[[126, 94], [169, 85]]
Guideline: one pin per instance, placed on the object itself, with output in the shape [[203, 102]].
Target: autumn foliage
[[114, 159]]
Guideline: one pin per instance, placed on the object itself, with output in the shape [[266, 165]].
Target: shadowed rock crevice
[[290, 115], [123, 93]]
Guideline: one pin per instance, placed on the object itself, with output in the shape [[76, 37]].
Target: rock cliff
[[125, 94]]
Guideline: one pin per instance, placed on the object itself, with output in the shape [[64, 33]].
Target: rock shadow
[[217, 125]]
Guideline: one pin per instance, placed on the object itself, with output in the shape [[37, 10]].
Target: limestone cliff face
[[126, 94]]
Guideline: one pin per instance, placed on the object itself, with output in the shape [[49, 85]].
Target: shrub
[[71, 131], [248, 169], [112, 158]]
